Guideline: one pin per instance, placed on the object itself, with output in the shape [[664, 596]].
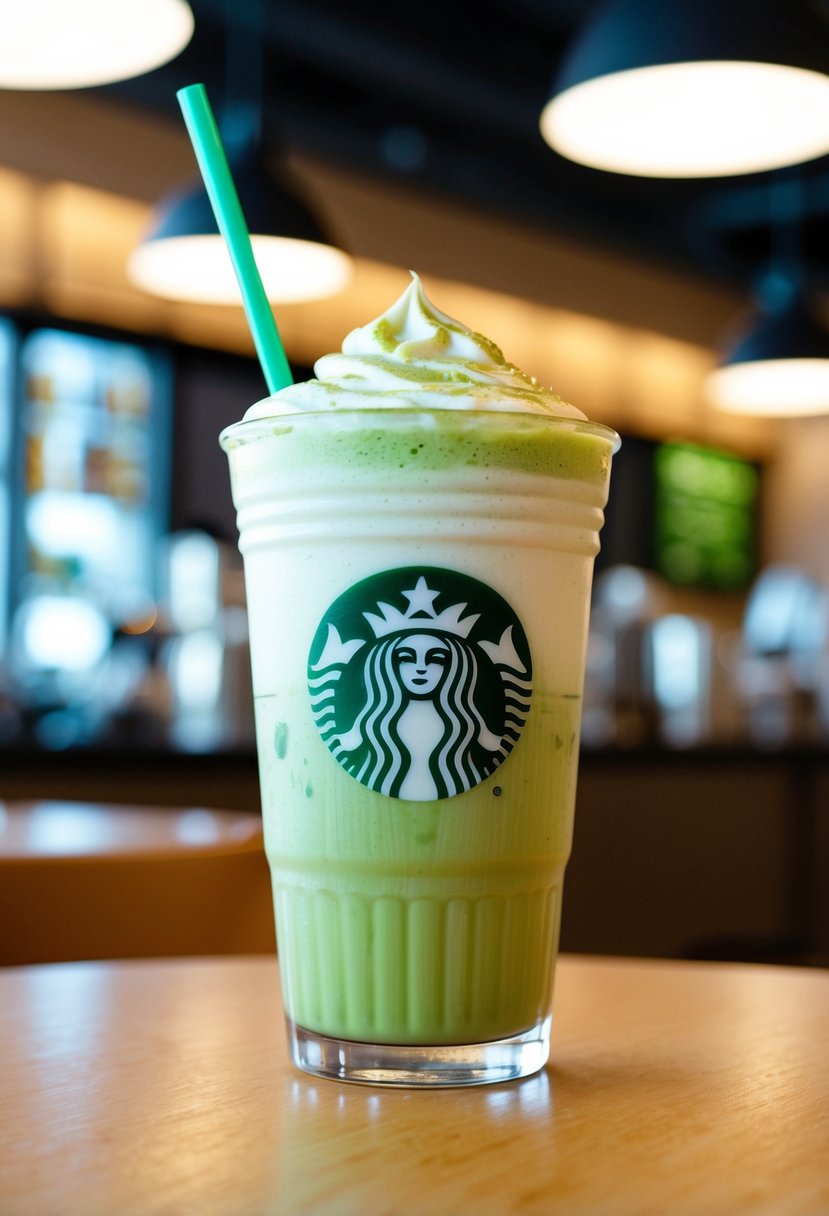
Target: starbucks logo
[[420, 682]]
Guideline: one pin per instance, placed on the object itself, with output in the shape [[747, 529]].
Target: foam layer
[[355, 442], [414, 356]]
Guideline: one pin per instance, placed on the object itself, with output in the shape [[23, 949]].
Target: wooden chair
[[92, 881]]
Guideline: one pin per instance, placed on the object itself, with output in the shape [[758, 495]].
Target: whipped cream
[[415, 357]]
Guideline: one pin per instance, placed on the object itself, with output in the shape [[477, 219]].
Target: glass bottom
[[420, 1067]]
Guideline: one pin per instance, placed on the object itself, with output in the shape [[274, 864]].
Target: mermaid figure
[[419, 733]]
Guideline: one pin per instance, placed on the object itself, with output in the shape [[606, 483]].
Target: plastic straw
[[221, 190]]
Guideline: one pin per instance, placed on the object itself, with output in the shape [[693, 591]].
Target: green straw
[[221, 190]]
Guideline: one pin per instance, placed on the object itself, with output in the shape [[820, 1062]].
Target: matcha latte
[[418, 526]]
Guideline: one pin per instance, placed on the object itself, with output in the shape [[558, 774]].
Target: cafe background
[[702, 827]]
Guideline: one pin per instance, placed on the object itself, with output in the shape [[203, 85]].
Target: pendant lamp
[[183, 257], [693, 88], [73, 44], [775, 362]]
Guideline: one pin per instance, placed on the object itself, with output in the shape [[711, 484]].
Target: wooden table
[[146, 1088]]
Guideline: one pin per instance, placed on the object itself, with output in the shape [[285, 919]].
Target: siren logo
[[420, 682]]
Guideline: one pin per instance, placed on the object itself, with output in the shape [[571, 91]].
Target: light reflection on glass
[[530, 1097], [458, 1133]]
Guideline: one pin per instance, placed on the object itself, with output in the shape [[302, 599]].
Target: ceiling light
[[72, 44], [694, 88], [184, 258], [777, 364]]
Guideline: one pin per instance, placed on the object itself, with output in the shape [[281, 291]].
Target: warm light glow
[[692, 119], [198, 268], [140, 624], [71, 44], [771, 387]]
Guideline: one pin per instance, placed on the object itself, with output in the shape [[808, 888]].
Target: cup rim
[[249, 429]]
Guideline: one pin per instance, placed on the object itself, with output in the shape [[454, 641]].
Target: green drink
[[418, 577]]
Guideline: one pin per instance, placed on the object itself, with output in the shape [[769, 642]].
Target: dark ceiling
[[446, 96]]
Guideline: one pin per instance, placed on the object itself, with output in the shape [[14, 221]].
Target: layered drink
[[418, 525]]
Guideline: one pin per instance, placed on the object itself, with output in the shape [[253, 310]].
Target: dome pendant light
[[73, 44], [183, 256], [692, 88], [777, 362]]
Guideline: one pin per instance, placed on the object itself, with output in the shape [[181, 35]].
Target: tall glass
[[418, 589]]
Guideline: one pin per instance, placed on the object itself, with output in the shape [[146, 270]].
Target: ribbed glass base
[[421, 1067]]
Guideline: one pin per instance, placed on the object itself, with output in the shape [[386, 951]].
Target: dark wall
[[211, 391]]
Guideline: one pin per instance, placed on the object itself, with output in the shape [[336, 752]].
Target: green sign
[[706, 504]]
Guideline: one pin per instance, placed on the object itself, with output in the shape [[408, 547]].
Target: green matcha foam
[[415, 357]]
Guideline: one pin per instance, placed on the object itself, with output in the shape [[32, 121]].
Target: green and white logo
[[420, 682]]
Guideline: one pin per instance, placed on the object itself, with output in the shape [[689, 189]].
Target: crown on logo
[[421, 611]]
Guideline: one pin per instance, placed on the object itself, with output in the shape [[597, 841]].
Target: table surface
[[37, 832], [163, 1087]]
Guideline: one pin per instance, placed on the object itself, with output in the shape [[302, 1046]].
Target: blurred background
[[376, 139]]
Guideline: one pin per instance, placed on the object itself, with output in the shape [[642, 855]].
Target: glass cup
[[418, 587]]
